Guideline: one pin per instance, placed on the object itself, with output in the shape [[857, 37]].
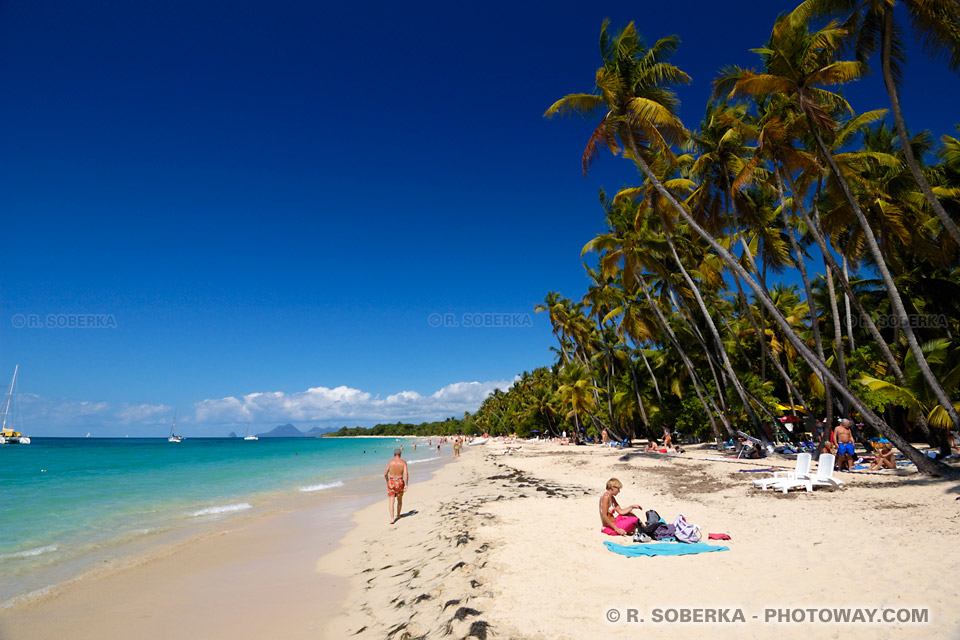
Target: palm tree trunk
[[685, 358], [684, 313], [885, 51], [846, 304], [765, 350], [892, 292], [646, 363], [837, 337], [713, 330], [924, 463], [802, 267], [813, 226], [636, 391], [748, 311]]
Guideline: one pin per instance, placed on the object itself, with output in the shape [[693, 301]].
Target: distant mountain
[[232, 435], [283, 431]]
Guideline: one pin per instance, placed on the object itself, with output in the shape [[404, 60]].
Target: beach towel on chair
[[662, 549]]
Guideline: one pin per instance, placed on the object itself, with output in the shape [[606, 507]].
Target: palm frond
[[579, 103]]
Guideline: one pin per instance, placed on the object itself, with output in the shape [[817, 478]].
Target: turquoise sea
[[68, 503]]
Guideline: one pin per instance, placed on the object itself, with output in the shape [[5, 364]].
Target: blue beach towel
[[662, 549]]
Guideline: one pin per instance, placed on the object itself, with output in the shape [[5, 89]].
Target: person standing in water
[[398, 479]]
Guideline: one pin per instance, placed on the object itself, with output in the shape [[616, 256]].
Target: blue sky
[[273, 198]]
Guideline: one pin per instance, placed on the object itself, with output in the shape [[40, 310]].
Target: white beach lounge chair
[[801, 471], [824, 477]]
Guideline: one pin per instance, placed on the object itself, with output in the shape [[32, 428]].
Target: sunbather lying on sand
[[616, 520]]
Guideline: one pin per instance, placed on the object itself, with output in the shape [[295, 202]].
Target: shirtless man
[[398, 479], [845, 444]]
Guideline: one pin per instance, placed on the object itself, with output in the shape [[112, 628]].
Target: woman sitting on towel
[[616, 520], [885, 459]]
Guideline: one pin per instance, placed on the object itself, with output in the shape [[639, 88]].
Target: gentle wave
[[424, 460], [321, 487], [39, 551], [224, 508], [38, 593]]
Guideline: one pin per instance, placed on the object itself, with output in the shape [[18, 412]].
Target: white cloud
[[317, 406], [345, 405]]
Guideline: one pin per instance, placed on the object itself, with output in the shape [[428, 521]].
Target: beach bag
[[665, 532], [653, 521], [686, 532]]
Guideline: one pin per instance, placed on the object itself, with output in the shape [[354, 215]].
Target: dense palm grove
[[688, 321]]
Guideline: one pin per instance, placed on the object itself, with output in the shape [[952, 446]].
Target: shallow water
[[67, 503]]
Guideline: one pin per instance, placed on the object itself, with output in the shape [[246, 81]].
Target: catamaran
[[173, 436], [8, 435], [247, 435]]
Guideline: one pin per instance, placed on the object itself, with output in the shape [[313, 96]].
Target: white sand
[[534, 565]]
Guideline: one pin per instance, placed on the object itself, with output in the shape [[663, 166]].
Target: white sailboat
[[247, 435], [173, 436], [8, 435]]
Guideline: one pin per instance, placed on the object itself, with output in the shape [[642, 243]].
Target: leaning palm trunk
[[636, 391], [746, 358], [713, 331], [662, 321], [760, 330], [802, 267], [846, 304], [684, 313], [813, 226], [924, 463], [837, 336], [892, 292], [646, 363], [885, 51], [792, 390]]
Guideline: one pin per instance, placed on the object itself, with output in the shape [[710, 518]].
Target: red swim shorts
[[395, 487]]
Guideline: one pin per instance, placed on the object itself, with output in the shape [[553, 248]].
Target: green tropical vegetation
[[789, 251]]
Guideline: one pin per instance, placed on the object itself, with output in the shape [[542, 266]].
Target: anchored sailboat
[[247, 435], [173, 430], [8, 435]]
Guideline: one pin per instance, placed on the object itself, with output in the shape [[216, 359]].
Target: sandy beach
[[508, 546]]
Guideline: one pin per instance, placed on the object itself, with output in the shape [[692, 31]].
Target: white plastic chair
[[824, 477], [801, 471]]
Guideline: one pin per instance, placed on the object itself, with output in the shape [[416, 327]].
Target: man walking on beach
[[845, 445], [398, 479]]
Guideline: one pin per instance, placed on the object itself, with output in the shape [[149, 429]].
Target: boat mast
[[6, 401]]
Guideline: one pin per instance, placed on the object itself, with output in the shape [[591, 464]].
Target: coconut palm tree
[[633, 87], [798, 63], [576, 394], [870, 23]]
